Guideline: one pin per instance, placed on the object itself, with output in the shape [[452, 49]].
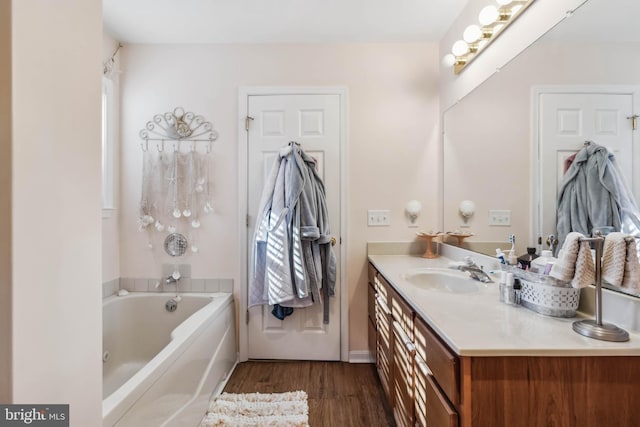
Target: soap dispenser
[[524, 261]]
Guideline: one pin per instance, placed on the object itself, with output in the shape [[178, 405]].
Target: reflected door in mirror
[[568, 119]]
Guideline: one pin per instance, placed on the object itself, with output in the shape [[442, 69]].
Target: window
[[108, 142]]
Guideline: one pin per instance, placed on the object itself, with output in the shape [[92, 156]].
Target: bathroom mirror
[[490, 136]]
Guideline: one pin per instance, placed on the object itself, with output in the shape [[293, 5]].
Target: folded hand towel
[[614, 254], [585, 270], [564, 268], [632, 266]]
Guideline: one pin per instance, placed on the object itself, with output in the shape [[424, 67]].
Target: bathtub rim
[[112, 405]]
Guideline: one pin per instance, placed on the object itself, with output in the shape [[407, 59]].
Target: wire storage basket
[[547, 295]]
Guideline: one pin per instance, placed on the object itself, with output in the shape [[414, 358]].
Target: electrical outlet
[[500, 218], [378, 218]]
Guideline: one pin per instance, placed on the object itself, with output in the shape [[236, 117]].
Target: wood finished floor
[[340, 394]]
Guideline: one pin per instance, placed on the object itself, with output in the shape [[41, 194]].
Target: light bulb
[[460, 48], [488, 15], [448, 60], [472, 33]]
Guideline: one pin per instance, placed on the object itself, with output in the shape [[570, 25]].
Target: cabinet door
[[420, 373], [402, 313], [384, 339], [371, 310], [403, 355]]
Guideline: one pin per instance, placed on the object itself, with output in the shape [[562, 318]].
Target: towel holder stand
[[595, 328]]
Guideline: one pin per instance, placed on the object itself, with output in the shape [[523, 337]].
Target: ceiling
[[278, 21]]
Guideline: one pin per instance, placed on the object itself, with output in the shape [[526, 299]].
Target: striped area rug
[[289, 409]]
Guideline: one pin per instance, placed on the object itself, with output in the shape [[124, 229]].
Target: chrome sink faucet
[[475, 271]]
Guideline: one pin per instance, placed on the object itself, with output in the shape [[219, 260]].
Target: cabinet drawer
[[402, 313], [442, 362], [439, 411]]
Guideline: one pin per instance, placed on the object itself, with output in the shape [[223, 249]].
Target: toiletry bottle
[[543, 264], [524, 261], [517, 288], [501, 284], [500, 256], [507, 289]]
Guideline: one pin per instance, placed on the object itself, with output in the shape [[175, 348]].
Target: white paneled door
[[314, 121], [566, 121]]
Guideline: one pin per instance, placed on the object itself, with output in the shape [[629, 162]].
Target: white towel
[[585, 274], [614, 257], [631, 266], [574, 262], [564, 268]]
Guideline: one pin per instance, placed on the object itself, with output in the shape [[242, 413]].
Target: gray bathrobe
[[292, 256], [590, 193]]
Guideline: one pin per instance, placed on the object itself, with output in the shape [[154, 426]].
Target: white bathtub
[[161, 368]]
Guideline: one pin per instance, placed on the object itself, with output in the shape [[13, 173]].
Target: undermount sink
[[442, 279]]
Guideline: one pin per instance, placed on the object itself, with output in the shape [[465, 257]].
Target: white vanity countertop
[[478, 324]]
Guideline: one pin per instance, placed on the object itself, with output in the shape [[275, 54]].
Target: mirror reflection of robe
[[593, 194]]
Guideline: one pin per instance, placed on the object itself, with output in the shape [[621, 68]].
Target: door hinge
[[247, 320], [247, 220], [247, 120], [634, 121]]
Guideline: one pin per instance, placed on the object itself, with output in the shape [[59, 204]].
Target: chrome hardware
[[171, 305], [475, 271]]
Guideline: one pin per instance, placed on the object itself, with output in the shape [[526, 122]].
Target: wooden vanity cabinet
[[428, 384], [407, 354]]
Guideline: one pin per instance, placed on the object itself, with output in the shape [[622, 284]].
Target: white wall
[[56, 334], [393, 138]]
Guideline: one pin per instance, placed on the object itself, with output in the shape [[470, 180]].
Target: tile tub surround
[[479, 325], [149, 285]]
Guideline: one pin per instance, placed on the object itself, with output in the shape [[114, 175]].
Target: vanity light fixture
[[412, 210], [493, 20], [466, 210]]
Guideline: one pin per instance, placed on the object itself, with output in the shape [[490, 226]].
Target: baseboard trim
[[361, 356]]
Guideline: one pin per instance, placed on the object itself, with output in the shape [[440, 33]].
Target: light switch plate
[[500, 218], [378, 218]]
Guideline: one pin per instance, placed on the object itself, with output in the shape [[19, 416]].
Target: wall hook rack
[[180, 126]]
